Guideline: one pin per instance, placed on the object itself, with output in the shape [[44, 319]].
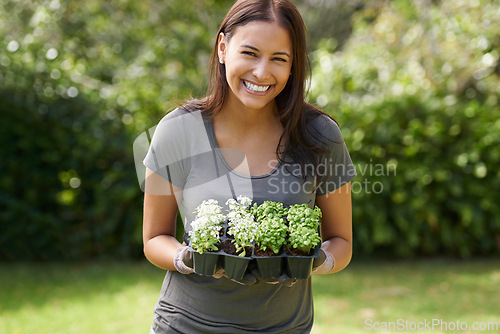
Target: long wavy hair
[[300, 144]]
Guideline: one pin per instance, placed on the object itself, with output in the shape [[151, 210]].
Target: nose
[[261, 70]]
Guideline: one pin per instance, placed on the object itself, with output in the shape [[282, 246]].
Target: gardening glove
[[183, 261], [323, 264]]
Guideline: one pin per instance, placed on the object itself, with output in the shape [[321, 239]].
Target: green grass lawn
[[118, 297], [410, 292]]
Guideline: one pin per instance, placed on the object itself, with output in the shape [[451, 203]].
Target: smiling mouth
[[255, 88]]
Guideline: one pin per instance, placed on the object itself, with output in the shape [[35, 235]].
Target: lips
[[255, 88]]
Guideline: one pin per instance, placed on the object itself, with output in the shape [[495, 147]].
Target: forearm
[[341, 251], [160, 251]]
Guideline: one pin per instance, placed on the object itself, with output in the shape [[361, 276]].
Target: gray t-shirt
[[185, 152]]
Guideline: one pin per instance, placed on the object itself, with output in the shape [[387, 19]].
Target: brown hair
[[292, 108]]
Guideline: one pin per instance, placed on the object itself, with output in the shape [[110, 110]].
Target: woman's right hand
[[183, 261]]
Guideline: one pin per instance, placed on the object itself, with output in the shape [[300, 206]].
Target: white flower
[[241, 222], [206, 226], [244, 201], [210, 208], [241, 203]]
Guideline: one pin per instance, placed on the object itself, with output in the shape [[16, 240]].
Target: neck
[[246, 119], [237, 125]]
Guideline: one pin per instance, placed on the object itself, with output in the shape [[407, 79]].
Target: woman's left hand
[[323, 264]]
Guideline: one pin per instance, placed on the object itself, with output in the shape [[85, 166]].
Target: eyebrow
[[283, 53]]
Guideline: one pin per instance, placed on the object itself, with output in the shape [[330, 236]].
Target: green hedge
[[416, 95], [79, 81], [427, 180], [67, 186]]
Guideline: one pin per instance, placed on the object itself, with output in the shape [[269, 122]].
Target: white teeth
[[256, 88]]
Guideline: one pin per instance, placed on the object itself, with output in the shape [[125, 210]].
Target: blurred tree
[[79, 81], [331, 22], [416, 92]]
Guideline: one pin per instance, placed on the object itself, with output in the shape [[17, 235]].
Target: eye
[[280, 59], [248, 53]]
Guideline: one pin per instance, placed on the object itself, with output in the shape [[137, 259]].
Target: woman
[[252, 135]]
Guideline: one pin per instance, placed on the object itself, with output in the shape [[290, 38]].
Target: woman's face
[[258, 60]]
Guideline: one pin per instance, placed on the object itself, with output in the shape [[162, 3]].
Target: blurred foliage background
[[413, 84]]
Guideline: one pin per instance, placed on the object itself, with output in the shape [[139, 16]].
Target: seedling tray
[[270, 267]]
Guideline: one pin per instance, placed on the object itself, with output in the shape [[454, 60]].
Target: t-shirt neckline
[[215, 146]]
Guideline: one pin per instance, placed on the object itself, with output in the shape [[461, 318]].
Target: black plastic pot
[[270, 267], [300, 267], [235, 266], [205, 264]]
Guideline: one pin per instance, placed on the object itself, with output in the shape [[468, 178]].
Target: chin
[[256, 103], [256, 106]]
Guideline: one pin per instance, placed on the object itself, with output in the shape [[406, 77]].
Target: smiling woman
[[242, 139], [258, 64]]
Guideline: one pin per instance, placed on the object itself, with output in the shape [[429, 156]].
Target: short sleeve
[[335, 168], [178, 137]]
